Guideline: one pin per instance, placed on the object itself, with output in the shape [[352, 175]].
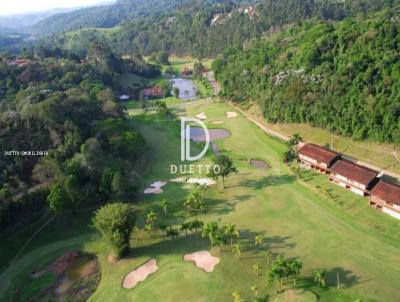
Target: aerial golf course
[[301, 217]]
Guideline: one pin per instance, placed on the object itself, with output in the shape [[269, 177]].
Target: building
[[385, 196], [186, 72], [318, 158], [19, 62], [153, 92], [124, 97], [356, 178]]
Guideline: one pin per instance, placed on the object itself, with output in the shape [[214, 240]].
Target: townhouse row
[[382, 195]]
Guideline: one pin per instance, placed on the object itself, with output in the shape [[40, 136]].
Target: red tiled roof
[[387, 191], [153, 91], [318, 153], [354, 172]]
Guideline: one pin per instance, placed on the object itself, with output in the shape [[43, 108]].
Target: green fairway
[[324, 225], [181, 63]]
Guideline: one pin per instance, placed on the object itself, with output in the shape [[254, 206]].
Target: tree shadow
[[346, 277], [166, 246], [280, 242], [273, 180], [247, 239]]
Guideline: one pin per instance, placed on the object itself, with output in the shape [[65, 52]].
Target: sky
[[12, 7]]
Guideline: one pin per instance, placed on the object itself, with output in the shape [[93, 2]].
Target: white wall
[[391, 213]]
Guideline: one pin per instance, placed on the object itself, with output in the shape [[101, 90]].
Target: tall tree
[[226, 168], [231, 231], [115, 223]]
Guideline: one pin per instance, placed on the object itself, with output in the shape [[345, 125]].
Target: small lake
[[198, 135], [81, 268], [187, 88]]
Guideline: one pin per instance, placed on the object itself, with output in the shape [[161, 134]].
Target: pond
[[74, 276], [81, 268], [259, 164], [187, 88], [198, 135]]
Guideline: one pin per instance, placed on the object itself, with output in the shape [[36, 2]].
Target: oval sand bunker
[[231, 114], [203, 260], [140, 274]]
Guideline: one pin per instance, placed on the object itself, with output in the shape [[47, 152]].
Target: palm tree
[[173, 233], [151, 217], [148, 227], [295, 140], [210, 231], [197, 224], [295, 268], [268, 256], [319, 277], [257, 269], [188, 204], [254, 289], [226, 168], [203, 188], [184, 228], [164, 205], [163, 228], [136, 231], [194, 201], [276, 273], [258, 240], [236, 296], [230, 231], [236, 250]]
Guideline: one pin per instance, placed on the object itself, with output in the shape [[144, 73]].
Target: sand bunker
[[217, 122], [155, 188], [199, 181], [201, 116], [203, 260], [231, 114], [140, 274]]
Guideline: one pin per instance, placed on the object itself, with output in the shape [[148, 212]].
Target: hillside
[[341, 76], [107, 16], [201, 28]]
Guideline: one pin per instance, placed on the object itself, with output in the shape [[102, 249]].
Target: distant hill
[[23, 21], [197, 28], [109, 15]]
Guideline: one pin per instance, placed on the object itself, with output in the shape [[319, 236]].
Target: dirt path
[[285, 138], [261, 126], [210, 76]]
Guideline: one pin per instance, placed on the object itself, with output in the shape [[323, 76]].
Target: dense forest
[[200, 29], [343, 76], [107, 16], [63, 136]]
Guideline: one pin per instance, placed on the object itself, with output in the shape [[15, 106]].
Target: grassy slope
[[379, 154], [180, 63], [340, 234]]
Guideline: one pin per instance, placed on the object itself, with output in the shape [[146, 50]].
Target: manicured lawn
[[336, 231], [180, 63], [205, 88]]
